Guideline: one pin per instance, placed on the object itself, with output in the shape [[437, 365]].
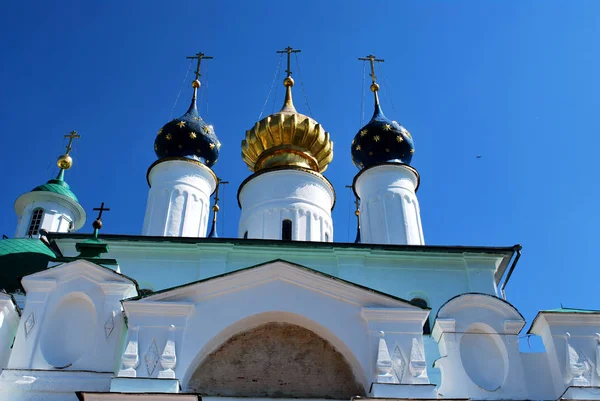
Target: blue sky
[[514, 82]]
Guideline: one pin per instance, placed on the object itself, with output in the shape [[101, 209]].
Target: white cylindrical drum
[[389, 209], [179, 198], [286, 203]]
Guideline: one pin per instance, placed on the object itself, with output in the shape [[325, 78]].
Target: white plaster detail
[[151, 358], [109, 326], [168, 359], [577, 366], [302, 197], [29, 324], [418, 363], [389, 209], [130, 359], [597, 338], [59, 212], [385, 369], [398, 363], [178, 200]]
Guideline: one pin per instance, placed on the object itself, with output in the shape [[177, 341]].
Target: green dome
[[57, 186], [20, 257]]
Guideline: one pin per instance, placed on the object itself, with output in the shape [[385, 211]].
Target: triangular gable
[[278, 270], [75, 269]]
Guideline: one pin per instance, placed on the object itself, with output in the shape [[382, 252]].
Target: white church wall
[[351, 328], [9, 321], [58, 215], [572, 342], [72, 319], [478, 339]]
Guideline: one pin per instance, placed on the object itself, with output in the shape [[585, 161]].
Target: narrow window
[[420, 302], [36, 221], [246, 235], [286, 230]]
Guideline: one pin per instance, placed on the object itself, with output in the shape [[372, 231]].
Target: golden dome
[[287, 138]]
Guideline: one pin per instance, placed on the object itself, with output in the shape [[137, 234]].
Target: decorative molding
[[578, 368], [598, 354], [384, 365], [513, 326], [109, 326], [29, 324], [442, 326], [151, 358], [149, 307], [398, 363], [417, 363], [394, 314], [130, 358], [168, 359]]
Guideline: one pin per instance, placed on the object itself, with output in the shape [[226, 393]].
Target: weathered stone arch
[[276, 359]]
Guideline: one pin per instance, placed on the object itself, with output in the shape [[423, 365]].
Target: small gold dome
[[287, 138], [65, 162]]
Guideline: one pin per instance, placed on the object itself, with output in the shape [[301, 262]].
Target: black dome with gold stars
[[188, 136], [381, 141]]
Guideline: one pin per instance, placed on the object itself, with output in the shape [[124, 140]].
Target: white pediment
[[282, 271], [50, 278]]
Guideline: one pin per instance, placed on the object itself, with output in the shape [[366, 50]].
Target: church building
[[282, 311]]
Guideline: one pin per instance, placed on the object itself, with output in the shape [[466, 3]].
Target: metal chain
[[276, 79], [362, 97], [271, 88], [387, 90], [180, 89], [302, 85]]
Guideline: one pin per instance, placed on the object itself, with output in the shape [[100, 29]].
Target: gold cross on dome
[[72, 135], [372, 60], [199, 56], [289, 50]]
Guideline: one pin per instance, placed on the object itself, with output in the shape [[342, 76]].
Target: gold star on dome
[[155, 147], [376, 138], [387, 151], [363, 132], [159, 131], [212, 146], [358, 147], [370, 153], [387, 127], [193, 135], [399, 138], [180, 147], [168, 136], [181, 124], [197, 150], [412, 151], [205, 129]]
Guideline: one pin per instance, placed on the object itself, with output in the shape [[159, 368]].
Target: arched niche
[[69, 333], [274, 356]]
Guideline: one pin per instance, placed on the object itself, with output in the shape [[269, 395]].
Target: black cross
[[289, 52], [199, 56], [372, 59], [101, 209]]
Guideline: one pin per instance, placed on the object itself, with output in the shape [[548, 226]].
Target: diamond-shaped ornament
[[151, 358], [398, 363], [109, 326], [29, 324]]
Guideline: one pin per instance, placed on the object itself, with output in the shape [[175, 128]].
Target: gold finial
[[374, 85], [198, 56], [65, 161]]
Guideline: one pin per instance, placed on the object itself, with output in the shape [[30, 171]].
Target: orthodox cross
[[289, 52], [219, 182], [356, 201], [97, 224], [72, 135], [372, 60], [199, 56], [215, 208]]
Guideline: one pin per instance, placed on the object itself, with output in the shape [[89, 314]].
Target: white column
[[389, 209], [179, 198], [299, 195]]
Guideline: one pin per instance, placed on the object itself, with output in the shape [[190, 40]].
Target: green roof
[[20, 257], [570, 310], [57, 186], [24, 245]]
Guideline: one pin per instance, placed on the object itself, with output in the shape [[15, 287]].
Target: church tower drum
[[181, 180], [287, 197], [52, 206], [387, 184]]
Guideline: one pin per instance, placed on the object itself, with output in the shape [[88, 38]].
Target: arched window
[[421, 303], [286, 230], [36, 221], [246, 235]]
